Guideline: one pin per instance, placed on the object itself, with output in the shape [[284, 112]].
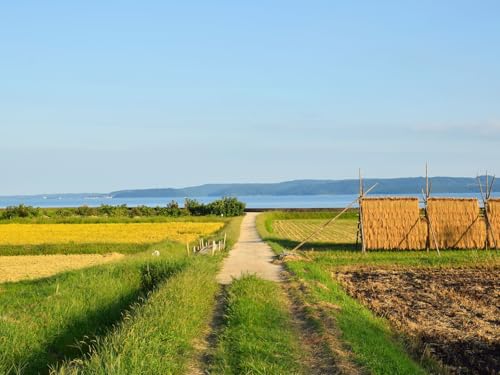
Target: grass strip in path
[[258, 337], [157, 337]]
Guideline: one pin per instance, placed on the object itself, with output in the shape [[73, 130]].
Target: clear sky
[[103, 95]]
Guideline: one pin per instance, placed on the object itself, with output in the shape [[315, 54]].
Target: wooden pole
[[187, 248], [426, 198], [330, 221], [361, 227], [430, 229]]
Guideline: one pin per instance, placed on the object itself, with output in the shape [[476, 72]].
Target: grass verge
[[258, 338], [370, 338]]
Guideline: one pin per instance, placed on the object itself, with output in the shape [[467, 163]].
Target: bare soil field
[[24, 267], [451, 314]]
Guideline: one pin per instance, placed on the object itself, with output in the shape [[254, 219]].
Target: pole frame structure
[[485, 196], [426, 195]]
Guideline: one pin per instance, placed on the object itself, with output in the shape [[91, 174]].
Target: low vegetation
[[257, 337], [227, 207]]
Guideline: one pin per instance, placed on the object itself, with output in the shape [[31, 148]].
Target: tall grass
[[258, 338], [157, 337]]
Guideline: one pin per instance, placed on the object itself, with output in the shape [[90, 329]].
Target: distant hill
[[407, 185]]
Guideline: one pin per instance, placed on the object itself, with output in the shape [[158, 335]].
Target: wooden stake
[[187, 248], [361, 227]]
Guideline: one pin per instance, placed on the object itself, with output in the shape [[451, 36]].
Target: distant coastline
[[406, 185]]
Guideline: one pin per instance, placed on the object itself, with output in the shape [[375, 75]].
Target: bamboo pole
[[361, 226]]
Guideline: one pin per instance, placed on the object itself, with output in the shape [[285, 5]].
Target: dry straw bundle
[[494, 218], [393, 223], [457, 223]]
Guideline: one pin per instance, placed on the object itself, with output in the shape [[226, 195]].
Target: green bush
[[12, 212], [86, 211], [227, 206], [195, 208]]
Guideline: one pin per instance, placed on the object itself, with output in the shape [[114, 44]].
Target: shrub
[[86, 211], [227, 206], [194, 207], [173, 209], [12, 212]]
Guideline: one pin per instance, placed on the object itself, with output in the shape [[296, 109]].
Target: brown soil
[[453, 315]]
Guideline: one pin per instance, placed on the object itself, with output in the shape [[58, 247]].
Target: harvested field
[[341, 231], [451, 314], [23, 267], [36, 234], [393, 223]]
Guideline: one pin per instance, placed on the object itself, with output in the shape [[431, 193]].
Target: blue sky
[[103, 95]]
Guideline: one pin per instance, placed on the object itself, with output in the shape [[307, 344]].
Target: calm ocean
[[261, 201]]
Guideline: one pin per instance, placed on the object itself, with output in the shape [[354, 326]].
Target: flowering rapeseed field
[[136, 233]]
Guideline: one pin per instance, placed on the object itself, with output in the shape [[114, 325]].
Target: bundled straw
[[457, 223], [393, 223], [494, 217]]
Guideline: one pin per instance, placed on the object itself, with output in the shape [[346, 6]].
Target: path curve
[[250, 255]]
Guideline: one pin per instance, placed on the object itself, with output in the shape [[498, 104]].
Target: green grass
[[258, 338], [157, 337], [42, 321], [374, 344]]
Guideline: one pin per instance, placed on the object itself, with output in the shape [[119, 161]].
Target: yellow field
[[341, 231], [23, 267], [136, 233]]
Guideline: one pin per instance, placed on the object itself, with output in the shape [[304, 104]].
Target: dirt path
[[250, 255]]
